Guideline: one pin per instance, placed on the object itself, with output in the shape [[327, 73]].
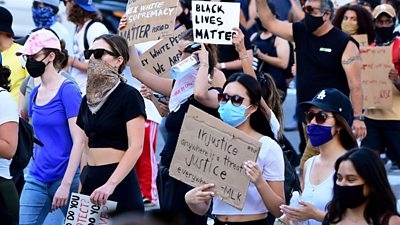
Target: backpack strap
[[85, 40]]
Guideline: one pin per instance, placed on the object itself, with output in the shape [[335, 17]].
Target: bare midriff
[[104, 156], [241, 218]]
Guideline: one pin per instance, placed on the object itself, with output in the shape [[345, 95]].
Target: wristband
[[223, 66], [360, 118]]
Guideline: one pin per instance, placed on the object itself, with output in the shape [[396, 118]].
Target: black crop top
[[107, 128]]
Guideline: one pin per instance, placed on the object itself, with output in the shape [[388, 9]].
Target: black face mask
[[350, 196], [313, 22], [385, 33], [35, 68]]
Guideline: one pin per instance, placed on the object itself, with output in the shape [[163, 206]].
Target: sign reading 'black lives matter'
[[149, 20], [213, 21], [210, 151]]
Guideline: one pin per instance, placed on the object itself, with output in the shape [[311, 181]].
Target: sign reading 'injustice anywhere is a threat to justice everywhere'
[[210, 151]]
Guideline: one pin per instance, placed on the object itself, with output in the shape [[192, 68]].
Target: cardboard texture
[[377, 88], [213, 21], [149, 20], [362, 40], [160, 58], [210, 151], [82, 212]]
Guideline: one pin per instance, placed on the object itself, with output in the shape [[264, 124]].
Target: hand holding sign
[[238, 41], [101, 194], [253, 171]]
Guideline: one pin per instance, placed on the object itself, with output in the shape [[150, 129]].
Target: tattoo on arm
[[351, 59]]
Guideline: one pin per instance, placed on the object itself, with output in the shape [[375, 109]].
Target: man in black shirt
[[326, 57]]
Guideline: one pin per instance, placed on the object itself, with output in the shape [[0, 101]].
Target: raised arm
[[282, 29], [154, 82], [351, 63]]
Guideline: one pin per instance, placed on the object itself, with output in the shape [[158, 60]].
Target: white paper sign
[[213, 21], [82, 212]]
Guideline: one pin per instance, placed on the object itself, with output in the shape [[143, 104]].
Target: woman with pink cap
[[54, 106]]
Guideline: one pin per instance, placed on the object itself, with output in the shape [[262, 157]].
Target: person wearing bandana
[[198, 85], [326, 57], [361, 193], [112, 116], [44, 14]]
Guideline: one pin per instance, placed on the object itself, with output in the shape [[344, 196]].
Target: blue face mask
[[318, 134], [232, 115], [43, 16]]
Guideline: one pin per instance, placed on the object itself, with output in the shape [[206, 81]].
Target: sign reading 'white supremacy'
[[213, 21], [210, 151], [149, 20]]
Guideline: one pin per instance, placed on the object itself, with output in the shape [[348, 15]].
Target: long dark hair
[[211, 48], [258, 120], [381, 203], [79, 16], [4, 75], [346, 136], [364, 20]]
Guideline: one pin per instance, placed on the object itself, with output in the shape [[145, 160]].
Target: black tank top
[[267, 46], [319, 63]]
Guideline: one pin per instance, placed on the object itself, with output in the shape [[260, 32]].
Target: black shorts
[[127, 193], [254, 222], [383, 135]]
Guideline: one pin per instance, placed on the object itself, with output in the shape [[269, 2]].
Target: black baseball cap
[[331, 100]]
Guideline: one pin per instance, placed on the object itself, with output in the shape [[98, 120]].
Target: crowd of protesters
[[96, 112]]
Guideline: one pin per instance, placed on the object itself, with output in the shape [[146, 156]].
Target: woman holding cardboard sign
[[195, 81], [240, 107]]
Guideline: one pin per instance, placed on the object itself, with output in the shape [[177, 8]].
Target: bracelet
[[243, 57], [223, 66], [204, 64]]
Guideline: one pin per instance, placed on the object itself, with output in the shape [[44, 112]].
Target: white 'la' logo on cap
[[321, 95]]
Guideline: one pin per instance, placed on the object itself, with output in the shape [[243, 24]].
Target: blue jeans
[[36, 199]]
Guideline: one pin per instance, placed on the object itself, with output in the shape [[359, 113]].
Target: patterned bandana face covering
[[43, 16], [102, 81]]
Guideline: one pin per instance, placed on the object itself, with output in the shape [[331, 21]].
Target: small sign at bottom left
[[81, 211]]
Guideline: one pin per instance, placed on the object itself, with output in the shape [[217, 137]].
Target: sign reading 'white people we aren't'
[[213, 21]]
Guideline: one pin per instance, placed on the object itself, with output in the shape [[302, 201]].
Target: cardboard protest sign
[[213, 21], [210, 151], [149, 20], [82, 212], [377, 88], [160, 58], [362, 40]]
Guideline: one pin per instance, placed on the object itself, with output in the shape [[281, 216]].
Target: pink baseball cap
[[38, 40]]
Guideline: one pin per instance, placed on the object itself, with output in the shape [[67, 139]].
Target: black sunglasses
[[309, 9], [320, 117], [98, 53], [224, 98]]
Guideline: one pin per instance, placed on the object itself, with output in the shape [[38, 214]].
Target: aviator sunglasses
[[235, 99], [98, 53], [309, 9], [320, 117]]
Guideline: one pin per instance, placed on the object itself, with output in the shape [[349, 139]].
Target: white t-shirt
[[95, 30], [270, 160], [63, 34], [8, 113], [275, 125]]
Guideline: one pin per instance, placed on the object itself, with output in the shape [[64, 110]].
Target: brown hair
[[79, 16], [118, 45], [212, 50], [346, 136]]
